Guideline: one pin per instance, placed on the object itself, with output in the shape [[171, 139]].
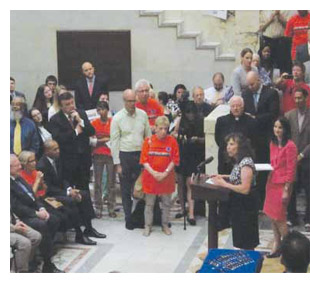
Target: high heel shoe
[[191, 221]]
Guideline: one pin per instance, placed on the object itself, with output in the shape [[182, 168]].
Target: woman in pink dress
[[283, 157]]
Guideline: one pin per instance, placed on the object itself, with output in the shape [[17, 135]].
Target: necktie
[[17, 138], [54, 166], [255, 96], [90, 87], [21, 185]]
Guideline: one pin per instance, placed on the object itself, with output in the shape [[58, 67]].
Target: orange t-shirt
[[102, 130], [152, 108], [159, 153], [30, 179], [297, 28]]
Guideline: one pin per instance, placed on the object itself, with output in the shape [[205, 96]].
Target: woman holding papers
[[243, 199], [283, 157]]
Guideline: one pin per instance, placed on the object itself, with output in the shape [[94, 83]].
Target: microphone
[[203, 163]]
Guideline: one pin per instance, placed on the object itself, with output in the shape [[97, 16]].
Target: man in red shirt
[[296, 28], [289, 86], [102, 157], [151, 106]]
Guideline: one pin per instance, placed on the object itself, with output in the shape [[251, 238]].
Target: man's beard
[[16, 115]]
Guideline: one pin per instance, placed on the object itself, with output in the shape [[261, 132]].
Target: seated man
[[23, 133], [295, 249], [24, 240], [65, 192], [217, 94], [32, 212]]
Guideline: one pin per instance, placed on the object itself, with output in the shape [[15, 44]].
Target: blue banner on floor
[[232, 261]]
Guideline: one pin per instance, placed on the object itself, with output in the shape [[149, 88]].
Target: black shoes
[[94, 233], [191, 221], [51, 268], [277, 253], [129, 225], [82, 239]]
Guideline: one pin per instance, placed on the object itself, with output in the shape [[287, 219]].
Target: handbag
[[137, 190]]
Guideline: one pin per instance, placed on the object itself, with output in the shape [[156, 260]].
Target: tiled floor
[[128, 251]]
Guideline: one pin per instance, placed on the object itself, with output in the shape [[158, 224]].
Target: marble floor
[[128, 251]]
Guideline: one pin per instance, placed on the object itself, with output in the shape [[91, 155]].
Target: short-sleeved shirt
[[152, 108], [159, 153], [235, 175], [103, 130], [288, 95], [297, 28]]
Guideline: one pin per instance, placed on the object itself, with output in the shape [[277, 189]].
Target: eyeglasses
[[130, 101]]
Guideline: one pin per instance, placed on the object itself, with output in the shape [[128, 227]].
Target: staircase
[[191, 26]]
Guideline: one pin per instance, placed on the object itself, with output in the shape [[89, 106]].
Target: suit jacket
[[56, 186], [283, 160], [21, 203], [302, 53], [69, 143], [300, 138], [268, 109], [83, 99]]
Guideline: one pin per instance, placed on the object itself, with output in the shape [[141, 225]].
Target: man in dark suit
[[234, 122], [89, 88], [72, 129], [299, 119], [59, 188], [32, 212], [262, 103]]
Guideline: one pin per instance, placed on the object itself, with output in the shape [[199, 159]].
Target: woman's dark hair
[[40, 100], [30, 111], [268, 64], [245, 51], [102, 105], [286, 131], [178, 86], [163, 96], [244, 146]]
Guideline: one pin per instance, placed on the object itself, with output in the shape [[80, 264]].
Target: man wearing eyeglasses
[[129, 128]]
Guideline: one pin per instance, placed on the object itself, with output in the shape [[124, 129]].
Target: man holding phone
[[289, 83]]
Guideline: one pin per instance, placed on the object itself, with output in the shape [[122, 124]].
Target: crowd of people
[[158, 140]]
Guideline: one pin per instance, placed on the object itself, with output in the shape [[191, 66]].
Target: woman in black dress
[[243, 197]]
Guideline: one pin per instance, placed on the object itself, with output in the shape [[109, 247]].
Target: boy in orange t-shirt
[[102, 157], [159, 156]]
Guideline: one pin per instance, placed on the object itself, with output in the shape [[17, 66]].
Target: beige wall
[[157, 55]]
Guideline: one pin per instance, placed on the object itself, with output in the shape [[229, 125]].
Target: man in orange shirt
[[152, 107], [159, 156], [296, 28]]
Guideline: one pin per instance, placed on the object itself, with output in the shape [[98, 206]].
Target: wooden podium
[[212, 194]]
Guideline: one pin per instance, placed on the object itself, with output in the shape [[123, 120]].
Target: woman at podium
[[243, 197]]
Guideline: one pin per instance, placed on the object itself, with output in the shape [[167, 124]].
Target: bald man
[[89, 88], [262, 103], [129, 128]]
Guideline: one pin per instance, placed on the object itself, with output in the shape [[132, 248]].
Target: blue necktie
[[25, 189], [255, 96]]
